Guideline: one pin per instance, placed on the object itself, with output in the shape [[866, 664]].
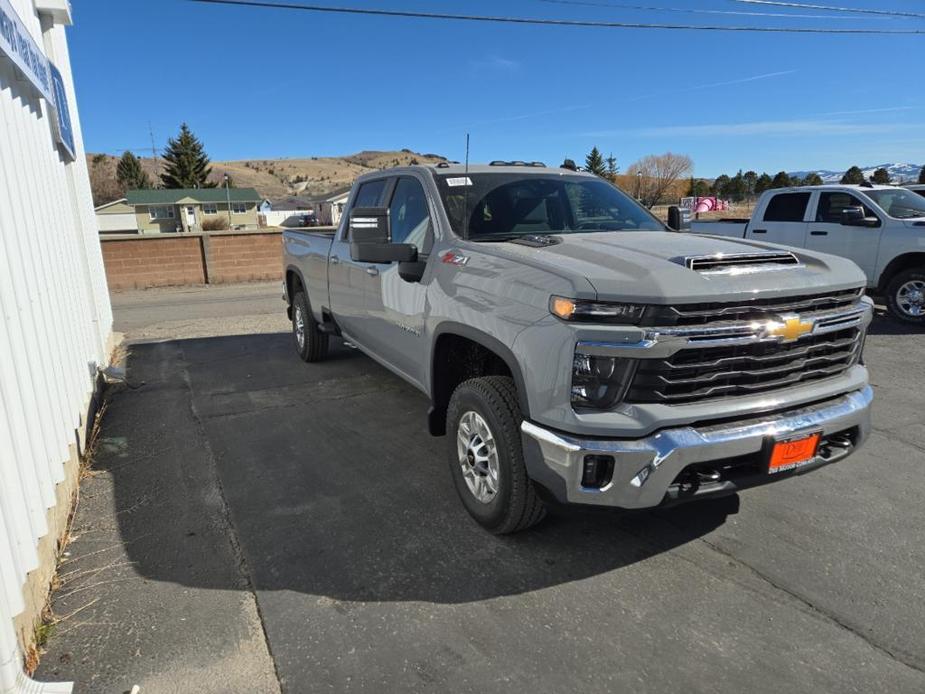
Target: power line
[[549, 22], [831, 8], [694, 10]]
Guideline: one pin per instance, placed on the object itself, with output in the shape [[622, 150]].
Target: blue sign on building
[[65, 130]]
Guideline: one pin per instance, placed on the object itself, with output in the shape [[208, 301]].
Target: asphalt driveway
[[328, 547]]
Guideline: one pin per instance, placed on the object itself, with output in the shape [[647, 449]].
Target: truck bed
[[721, 227]]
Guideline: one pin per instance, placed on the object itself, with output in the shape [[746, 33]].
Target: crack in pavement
[[816, 609], [233, 539]]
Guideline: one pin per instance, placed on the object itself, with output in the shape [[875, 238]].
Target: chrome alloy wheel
[[478, 456], [911, 298], [299, 328]]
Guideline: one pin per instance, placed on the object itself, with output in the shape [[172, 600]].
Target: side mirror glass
[[370, 225], [854, 217]]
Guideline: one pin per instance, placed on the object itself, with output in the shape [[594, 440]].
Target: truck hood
[[647, 267]]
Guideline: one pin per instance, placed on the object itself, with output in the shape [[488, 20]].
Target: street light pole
[[638, 184], [228, 199]]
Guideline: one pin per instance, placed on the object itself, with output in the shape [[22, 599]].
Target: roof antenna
[[465, 229]]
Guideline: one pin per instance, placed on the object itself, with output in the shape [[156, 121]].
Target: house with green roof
[[172, 210]]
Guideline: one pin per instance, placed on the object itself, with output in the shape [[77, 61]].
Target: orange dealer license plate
[[791, 453]]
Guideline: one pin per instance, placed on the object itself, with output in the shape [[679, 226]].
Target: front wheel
[[485, 456], [905, 296], [310, 342]]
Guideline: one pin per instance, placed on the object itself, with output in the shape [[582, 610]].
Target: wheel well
[[293, 284], [457, 359], [898, 264]]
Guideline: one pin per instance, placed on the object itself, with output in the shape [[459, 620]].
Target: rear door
[[395, 307], [783, 220], [347, 279], [827, 234]]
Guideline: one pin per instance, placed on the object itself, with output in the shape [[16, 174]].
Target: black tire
[[313, 346], [515, 505], [894, 301]]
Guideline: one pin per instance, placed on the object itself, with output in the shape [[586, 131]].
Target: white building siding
[[56, 321], [124, 222]]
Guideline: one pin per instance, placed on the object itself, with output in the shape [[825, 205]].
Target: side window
[[369, 193], [832, 204], [408, 214], [787, 207]]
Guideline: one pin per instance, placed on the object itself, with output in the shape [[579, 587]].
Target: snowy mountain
[[899, 173]]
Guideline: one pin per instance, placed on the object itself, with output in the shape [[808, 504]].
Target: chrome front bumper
[[645, 469]]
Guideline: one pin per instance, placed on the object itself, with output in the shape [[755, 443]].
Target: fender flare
[[435, 415]]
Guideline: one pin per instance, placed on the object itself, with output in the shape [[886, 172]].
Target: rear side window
[[369, 193], [787, 207]]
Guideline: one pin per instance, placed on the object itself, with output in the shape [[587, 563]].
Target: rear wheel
[[905, 296], [310, 342], [485, 456]]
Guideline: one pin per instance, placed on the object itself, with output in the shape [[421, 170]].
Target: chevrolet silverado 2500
[[881, 228], [576, 351]]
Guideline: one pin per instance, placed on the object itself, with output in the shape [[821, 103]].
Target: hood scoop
[[738, 263]]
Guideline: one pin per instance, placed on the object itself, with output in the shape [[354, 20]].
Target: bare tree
[[656, 173], [103, 181]]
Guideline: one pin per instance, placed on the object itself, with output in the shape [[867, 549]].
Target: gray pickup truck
[[574, 349]]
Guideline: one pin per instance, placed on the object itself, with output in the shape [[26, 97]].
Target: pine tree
[[854, 175], [881, 177], [594, 163], [781, 180], [612, 169], [185, 162], [130, 174], [922, 175], [762, 184], [720, 185], [813, 179]]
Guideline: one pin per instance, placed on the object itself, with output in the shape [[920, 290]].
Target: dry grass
[[308, 177]]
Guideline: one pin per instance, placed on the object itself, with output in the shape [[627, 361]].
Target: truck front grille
[[728, 358]]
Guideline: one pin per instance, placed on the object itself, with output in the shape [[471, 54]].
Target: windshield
[[898, 202], [506, 206]]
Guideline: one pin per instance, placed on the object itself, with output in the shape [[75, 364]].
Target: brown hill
[[273, 178]]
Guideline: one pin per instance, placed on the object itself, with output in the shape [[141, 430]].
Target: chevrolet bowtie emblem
[[789, 328]]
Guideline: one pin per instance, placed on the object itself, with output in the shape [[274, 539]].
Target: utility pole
[[154, 156], [228, 198]]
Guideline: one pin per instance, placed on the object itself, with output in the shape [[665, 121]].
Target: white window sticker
[[460, 181]]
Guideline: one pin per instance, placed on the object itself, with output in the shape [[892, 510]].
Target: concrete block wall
[[139, 262]]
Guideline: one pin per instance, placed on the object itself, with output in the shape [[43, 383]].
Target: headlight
[[585, 311], [599, 383]]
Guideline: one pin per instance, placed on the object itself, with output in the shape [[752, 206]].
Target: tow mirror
[[370, 225], [679, 218], [384, 252], [854, 217]]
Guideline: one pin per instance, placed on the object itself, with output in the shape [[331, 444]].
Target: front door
[[395, 307], [829, 235], [190, 217]]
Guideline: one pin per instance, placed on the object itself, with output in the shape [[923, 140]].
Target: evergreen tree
[[130, 174], [881, 177], [737, 190], [721, 186], [762, 184], [185, 162], [594, 163], [853, 175], [813, 179], [698, 188], [751, 180], [611, 171], [781, 180], [922, 175]]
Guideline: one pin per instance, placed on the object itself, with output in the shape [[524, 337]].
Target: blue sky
[[256, 83]]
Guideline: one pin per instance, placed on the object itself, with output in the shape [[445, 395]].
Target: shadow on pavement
[[331, 483], [884, 324]]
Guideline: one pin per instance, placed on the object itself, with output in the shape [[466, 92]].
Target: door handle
[[372, 271], [759, 231], [818, 233], [334, 260]]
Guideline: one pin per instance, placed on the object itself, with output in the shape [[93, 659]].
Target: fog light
[[597, 471]]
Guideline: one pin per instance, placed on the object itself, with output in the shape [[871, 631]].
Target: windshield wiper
[[499, 237]]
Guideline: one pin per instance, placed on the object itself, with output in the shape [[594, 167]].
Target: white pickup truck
[[881, 228]]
